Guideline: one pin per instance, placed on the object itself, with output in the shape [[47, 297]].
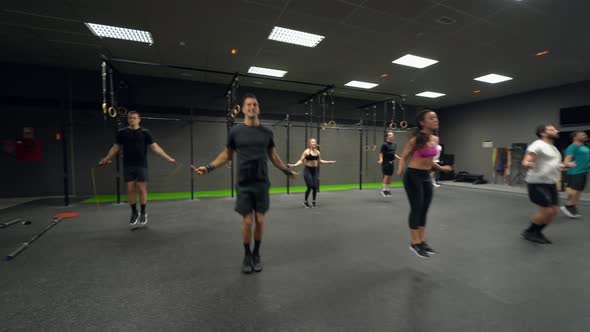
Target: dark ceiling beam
[[155, 64], [324, 90], [233, 74]]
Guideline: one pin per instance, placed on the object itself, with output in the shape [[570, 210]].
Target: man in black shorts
[[254, 144], [386, 158], [579, 153], [135, 140], [543, 161]]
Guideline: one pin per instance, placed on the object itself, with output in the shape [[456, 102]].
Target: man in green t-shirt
[[578, 153]]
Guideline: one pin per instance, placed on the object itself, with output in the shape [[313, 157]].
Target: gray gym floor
[[345, 266]]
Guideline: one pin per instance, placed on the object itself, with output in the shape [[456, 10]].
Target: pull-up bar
[[211, 71], [155, 64], [232, 85], [324, 90]]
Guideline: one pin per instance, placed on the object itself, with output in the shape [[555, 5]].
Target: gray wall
[[504, 121], [32, 178], [39, 97], [209, 139], [343, 146], [93, 137]]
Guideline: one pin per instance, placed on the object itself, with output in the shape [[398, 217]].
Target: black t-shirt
[[252, 145], [134, 143], [388, 151]]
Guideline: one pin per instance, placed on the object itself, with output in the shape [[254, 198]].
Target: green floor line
[[227, 193]]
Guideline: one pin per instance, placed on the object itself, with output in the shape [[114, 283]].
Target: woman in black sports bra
[[312, 160]]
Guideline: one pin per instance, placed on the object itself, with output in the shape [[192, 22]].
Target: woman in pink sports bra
[[422, 147]]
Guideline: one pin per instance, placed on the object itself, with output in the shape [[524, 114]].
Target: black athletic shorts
[[577, 181], [387, 168], [135, 174], [543, 194], [252, 197]]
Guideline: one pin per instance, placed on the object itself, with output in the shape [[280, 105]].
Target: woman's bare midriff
[[421, 163]]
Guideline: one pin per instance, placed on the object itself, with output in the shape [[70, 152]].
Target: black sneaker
[[388, 193], [543, 238], [385, 193], [306, 205], [134, 219], [427, 248], [418, 250], [247, 264], [143, 219], [569, 211], [576, 213], [256, 263], [533, 237], [313, 205]]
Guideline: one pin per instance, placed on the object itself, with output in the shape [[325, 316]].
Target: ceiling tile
[[327, 9], [405, 9], [431, 19], [477, 8], [362, 38]]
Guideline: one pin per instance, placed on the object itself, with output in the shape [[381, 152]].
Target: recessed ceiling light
[[542, 53], [476, 91], [362, 85], [295, 37], [384, 75], [108, 31], [182, 43], [493, 78], [414, 61], [233, 51], [266, 71], [430, 94]]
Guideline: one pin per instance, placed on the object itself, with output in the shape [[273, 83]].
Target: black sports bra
[[311, 157]]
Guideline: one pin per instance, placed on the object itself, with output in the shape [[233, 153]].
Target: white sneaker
[[436, 185]]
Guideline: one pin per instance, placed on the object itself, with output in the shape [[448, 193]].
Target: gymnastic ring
[[403, 124], [235, 111], [112, 112], [332, 124], [324, 126], [367, 148], [104, 108], [392, 125], [122, 111], [374, 147]]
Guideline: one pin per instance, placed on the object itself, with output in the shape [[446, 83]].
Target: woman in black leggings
[[422, 147], [312, 160]]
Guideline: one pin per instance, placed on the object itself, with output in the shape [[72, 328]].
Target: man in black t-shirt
[[254, 144], [386, 158], [134, 140]]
